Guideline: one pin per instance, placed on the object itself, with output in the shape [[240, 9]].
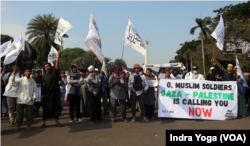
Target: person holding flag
[[51, 94]]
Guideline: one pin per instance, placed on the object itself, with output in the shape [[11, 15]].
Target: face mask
[[195, 71]]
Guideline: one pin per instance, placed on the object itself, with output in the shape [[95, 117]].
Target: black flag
[[248, 55], [230, 47], [225, 63], [82, 65], [243, 44], [30, 51]]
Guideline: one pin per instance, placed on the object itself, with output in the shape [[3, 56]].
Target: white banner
[[133, 39], [5, 48], [163, 65], [240, 72], [62, 28], [218, 34], [93, 40], [15, 48], [197, 99], [52, 55]]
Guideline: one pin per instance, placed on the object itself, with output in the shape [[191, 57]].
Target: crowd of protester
[[86, 87]]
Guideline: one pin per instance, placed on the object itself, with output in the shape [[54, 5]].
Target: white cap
[[183, 68], [229, 65], [91, 68], [96, 69], [211, 68]]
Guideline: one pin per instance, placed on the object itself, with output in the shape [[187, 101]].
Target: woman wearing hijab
[[74, 80], [242, 110]]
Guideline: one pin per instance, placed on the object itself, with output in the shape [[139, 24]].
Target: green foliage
[[6, 38], [236, 19], [41, 32], [69, 55]]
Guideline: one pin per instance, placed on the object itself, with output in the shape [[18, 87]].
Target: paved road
[[118, 134]]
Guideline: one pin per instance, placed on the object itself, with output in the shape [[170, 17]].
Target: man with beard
[[51, 93]]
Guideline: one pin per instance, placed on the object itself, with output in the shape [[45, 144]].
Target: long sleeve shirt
[[144, 83], [225, 75], [74, 82], [92, 80], [27, 90]]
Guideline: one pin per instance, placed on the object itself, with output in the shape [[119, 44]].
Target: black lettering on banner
[[168, 84], [194, 137]]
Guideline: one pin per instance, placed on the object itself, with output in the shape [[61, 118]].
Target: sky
[[165, 24]]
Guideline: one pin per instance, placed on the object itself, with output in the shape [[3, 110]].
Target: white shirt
[[27, 90], [177, 77], [11, 91], [144, 83], [161, 75], [190, 75]]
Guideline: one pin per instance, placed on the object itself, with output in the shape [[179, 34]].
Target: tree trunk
[[187, 64], [203, 59]]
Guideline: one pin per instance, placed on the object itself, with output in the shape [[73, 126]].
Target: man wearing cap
[[167, 74], [94, 99], [11, 92], [103, 81], [37, 104], [194, 74], [175, 74], [226, 75], [138, 87], [211, 75], [184, 71]]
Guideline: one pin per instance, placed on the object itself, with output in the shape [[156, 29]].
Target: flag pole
[[123, 41], [214, 49]]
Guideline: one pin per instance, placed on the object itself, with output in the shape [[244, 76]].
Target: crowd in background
[[84, 89]]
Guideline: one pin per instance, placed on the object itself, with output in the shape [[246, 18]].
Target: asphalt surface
[[107, 134]]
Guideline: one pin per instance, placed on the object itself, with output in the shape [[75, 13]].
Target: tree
[[69, 55], [6, 38], [41, 33], [120, 62], [202, 24]]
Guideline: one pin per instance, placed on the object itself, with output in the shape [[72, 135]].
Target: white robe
[[190, 75]]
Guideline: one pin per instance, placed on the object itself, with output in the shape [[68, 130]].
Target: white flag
[[52, 55], [133, 39], [5, 48], [15, 48], [104, 69], [219, 33], [93, 40], [240, 73], [62, 28]]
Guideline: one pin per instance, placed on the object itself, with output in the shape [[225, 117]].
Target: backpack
[[137, 85]]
